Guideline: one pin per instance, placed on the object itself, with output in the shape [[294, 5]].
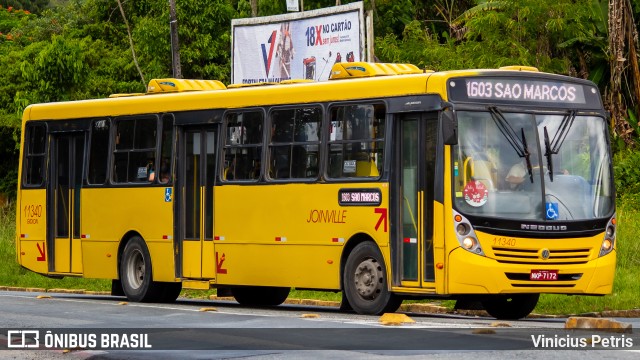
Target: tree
[[623, 47]]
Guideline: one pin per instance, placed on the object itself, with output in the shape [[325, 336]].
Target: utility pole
[[175, 45], [254, 8]]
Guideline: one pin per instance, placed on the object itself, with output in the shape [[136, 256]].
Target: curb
[[59, 291], [598, 323], [428, 308]]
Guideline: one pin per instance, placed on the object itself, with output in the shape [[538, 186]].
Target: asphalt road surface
[[69, 326]]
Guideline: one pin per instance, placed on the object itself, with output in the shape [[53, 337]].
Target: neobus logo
[[543, 227]]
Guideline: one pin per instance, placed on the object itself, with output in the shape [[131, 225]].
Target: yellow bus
[[385, 183]]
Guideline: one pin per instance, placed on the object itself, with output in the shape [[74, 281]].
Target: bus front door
[[413, 177], [63, 192], [197, 165]]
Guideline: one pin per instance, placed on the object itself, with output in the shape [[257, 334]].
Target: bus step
[[196, 284]]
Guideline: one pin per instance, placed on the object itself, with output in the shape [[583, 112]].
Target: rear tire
[[260, 295], [365, 282], [511, 307], [136, 273]]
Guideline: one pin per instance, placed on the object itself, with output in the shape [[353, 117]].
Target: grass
[[625, 295]]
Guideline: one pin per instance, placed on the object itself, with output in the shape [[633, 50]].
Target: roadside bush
[[626, 168]]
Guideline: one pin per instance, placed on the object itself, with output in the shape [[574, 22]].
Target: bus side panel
[[109, 214], [279, 265], [289, 235], [32, 230]]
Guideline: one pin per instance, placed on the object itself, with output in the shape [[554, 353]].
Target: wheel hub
[[368, 279], [136, 269]]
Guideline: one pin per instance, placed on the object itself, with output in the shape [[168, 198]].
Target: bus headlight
[[609, 237], [462, 229], [465, 234], [469, 243]]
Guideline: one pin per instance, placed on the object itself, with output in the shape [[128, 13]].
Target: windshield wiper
[[518, 144], [527, 156], [553, 147]]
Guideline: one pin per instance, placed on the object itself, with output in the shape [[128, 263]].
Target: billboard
[[296, 46]]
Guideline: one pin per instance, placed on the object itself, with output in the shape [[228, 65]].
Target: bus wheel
[[260, 295], [365, 281], [511, 307], [135, 272]]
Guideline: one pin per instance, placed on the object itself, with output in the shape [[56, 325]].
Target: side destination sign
[[529, 91], [360, 197]]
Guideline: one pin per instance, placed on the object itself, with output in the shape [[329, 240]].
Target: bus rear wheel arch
[[365, 281], [510, 307]]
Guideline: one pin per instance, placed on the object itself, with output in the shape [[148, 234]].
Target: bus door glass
[[196, 181], [67, 159], [415, 169]]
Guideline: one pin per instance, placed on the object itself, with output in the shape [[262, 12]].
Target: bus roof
[[351, 81]]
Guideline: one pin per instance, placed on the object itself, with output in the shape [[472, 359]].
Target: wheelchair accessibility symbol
[[168, 194], [552, 211]]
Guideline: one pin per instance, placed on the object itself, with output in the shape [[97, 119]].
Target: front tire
[[511, 307], [136, 273], [365, 282]]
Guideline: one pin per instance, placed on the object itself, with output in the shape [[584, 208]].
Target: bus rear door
[[194, 207]]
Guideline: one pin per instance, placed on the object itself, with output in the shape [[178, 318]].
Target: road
[[100, 327]]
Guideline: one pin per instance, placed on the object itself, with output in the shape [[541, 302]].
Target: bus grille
[[532, 256]]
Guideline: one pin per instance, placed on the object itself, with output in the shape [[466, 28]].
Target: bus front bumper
[[475, 274]]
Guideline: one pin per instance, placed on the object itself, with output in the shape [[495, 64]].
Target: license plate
[[543, 275]]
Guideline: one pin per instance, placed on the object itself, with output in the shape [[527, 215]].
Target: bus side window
[[135, 150], [99, 151], [356, 142], [294, 143], [36, 141], [243, 146], [166, 149]]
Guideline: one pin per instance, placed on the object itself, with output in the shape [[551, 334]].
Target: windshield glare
[[567, 178]]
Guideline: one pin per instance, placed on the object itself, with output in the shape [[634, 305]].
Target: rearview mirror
[[449, 126]]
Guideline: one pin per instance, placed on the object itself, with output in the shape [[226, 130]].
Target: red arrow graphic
[[219, 263], [383, 216], [42, 256]]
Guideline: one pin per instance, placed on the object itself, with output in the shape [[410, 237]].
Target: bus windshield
[[545, 167]]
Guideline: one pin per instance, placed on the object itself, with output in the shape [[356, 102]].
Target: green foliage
[[29, 5], [627, 172], [77, 49]]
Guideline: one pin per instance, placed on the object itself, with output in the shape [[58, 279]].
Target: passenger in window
[[230, 171], [164, 171], [151, 173]]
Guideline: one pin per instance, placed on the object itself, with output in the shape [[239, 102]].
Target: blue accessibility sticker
[[168, 194], [552, 211]]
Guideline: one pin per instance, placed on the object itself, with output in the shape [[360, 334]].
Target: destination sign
[[527, 90], [361, 197]]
